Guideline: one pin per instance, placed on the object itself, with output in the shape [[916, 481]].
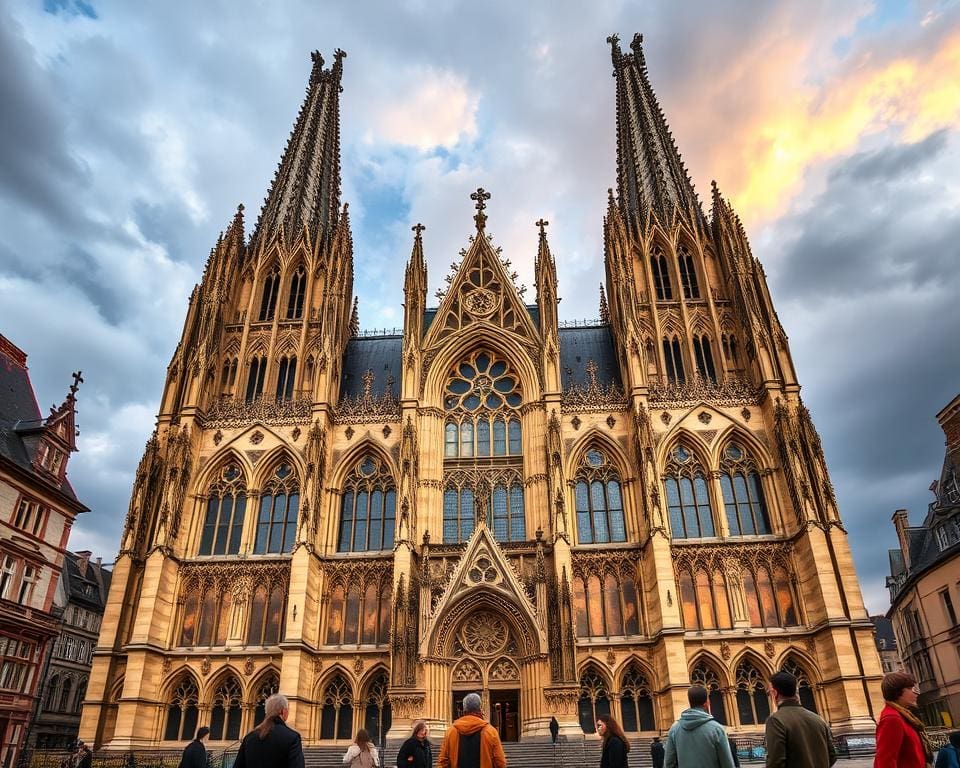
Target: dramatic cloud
[[130, 132]]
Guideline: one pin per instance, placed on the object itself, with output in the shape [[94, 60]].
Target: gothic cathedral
[[570, 519]]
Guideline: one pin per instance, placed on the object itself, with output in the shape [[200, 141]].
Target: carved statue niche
[[316, 457], [409, 474], [556, 477]]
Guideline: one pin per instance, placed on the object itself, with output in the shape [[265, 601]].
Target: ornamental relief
[[620, 563], [361, 572], [238, 579], [729, 557], [484, 634]]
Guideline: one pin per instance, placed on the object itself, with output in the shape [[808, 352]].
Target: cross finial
[[418, 228], [480, 196], [77, 381], [543, 224]]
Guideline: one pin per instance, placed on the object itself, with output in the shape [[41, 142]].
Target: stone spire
[[305, 193], [651, 177]]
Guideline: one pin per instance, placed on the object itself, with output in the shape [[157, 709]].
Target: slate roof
[[884, 629], [76, 584], [578, 346]]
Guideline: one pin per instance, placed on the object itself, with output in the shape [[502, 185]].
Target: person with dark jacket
[[615, 744], [656, 752], [901, 738], [733, 752], [554, 729], [795, 736], [272, 744], [195, 754], [949, 755], [417, 751]]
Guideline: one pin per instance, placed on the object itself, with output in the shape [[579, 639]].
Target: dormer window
[[50, 458]]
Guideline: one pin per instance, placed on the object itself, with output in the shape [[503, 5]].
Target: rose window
[[484, 634]]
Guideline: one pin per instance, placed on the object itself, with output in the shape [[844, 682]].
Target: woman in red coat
[[901, 739]]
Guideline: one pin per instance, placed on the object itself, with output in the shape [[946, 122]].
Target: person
[[733, 752], [615, 744], [84, 756], [696, 739], [554, 729], [471, 742], [949, 755], [656, 752], [195, 753], [417, 751], [362, 753], [901, 739], [795, 736], [272, 744]]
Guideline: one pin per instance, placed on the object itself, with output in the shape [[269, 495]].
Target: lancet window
[[688, 274], [661, 275], [594, 700], [673, 359], [268, 302], [359, 607], [729, 342], [226, 508], [636, 701], [269, 686], [705, 675], [704, 358], [378, 717], [228, 377], [65, 691], [267, 607], [770, 596], [298, 286], [605, 596], [483, 447], [599, 501], [336, 720], [804, 688], [688, 498], [255, 377], [753, 702], [206, 611], [368, 510], [279, 507], [226, 712], [182, 712], [704, 597], [743, 499], [286, 373]]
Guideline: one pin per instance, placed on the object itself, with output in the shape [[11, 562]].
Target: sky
[[130, 132]]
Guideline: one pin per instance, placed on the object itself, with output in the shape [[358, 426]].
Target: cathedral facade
[[571, 520]]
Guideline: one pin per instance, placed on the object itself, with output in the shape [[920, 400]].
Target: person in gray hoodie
[[696, 740]]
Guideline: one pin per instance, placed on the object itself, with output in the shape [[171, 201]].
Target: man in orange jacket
[[471, 742]]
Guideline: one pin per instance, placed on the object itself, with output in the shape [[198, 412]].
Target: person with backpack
[[362, 753]]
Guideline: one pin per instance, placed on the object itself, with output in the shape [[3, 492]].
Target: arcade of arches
[[570, 519]]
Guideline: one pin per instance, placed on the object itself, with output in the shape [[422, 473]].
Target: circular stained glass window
[[231, 472], [734, 452], [681, 454], [594, 458], [482, 382], [368, 467]]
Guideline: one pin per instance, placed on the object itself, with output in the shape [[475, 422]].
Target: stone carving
[[358, 665], [575, 421], [217, 437], [733, 391], [205, 666], [484, 634], [367, 407], [406, 704], [769, 649], [725, 650], [704, 417], [593, 396], [248, 666], [467, 672], [503, 671], [256, 438], [231, 412]]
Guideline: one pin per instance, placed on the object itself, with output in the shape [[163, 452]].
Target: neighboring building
[[81, 596], [924, 586], [886, 644], [570, 520], [37, 509]]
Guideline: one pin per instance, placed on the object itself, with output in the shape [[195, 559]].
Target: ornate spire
[[604, 309], [480, 197], [306, 189], [651, 177], [355, 318]]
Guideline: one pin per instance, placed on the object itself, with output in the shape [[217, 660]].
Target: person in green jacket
[[796, 737], [696, 740]]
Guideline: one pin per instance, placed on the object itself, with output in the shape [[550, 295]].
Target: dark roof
[[578, 346], [381, 355], [77, 585], [884, 628]]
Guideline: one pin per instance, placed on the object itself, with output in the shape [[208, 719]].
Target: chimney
[[901, 521], [83, 560]]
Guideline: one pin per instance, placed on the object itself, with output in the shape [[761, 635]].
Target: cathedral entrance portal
[[505, 713]]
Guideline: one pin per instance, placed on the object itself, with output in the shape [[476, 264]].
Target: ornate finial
[[317, 71], [418, 228], [367, 384], [240, 209], [543, 227], [604, 309], [355, 318], [339, 55], [592, 384], [77, 381], [480, 197]]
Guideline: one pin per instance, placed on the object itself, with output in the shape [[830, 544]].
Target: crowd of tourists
[[795, 737]]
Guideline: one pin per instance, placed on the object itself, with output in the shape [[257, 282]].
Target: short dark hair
[[895, 683], [785, 684], [697, 695], [201, 732]]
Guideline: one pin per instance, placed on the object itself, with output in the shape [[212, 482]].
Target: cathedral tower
[[570, 519]]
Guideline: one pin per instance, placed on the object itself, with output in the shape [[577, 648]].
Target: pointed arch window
[[368, 509], [704, 597], [206, 612], [594, 700], [81, 695], [268, 302], [688, 499], [226, 712], [704, 356], [298, 287], [266, 689], [636, 701], [661, 275], [378, 716], [279, 507], [286, 373], [742, 489], [770, 596], [267, 608], [226, 508], [66, 689], [729, 342], [51, 695], [182, 712], [336, 719], [228, 376], [599, 500], [804, 688], [688, 274], [483, 450], [255, 377], [753, 702], [704, 675], [673, 359]]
